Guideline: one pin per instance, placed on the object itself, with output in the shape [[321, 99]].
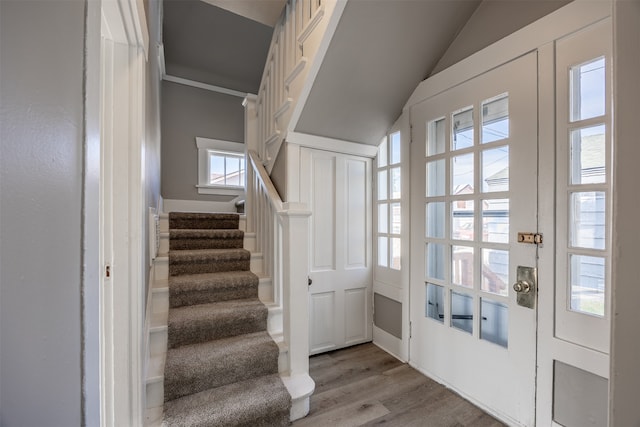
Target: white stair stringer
[[300, 387]]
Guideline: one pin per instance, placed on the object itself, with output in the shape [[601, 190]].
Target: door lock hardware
[[533, 238], [526, 286]]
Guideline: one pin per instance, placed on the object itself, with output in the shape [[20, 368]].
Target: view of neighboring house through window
[[221, 167], [226, 169]]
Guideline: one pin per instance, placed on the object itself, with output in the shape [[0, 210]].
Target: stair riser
[[203, 224], [227, 369], [208, 266], [202, 297], [206, 243], [197, 332], [249, 243]]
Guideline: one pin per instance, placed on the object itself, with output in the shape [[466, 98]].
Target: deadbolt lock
[[526, 286]]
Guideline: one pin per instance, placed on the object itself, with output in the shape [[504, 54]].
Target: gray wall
[[492, 21], [41, 88], [188, 112]]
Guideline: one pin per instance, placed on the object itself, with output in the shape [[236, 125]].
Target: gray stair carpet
[[222, 365]]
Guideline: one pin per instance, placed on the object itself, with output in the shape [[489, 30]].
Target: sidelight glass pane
[[588, 90], [435, 302], [383, 218], [495, 220], [495, 119], [462, 219], [396, 184], [382, 185], [435, 220], [462, 312], [462, 266], [396, 218], [436, 178], [435, 261], [383, 251], [462, 174], [495, 169], [382, 153], [587, 284], [588, 228], [588, 155], [435, 137], [395, 148], [495, 322], [495, 271], [395, 253], [462, 127]]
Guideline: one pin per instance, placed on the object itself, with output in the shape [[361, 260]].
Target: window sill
[[220, 190]]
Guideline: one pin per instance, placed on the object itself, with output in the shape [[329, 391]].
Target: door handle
[[526, 286]]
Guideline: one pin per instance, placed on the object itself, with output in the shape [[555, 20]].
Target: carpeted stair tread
[[258, 402], [198, 261], [206, 288], [204, 322], [205, 239], [195, 220], [193, 368]]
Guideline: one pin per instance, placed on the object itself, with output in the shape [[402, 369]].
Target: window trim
[[205, 147]]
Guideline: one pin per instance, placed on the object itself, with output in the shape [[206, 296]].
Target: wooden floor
[[365, 386]]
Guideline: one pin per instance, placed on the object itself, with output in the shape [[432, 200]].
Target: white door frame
[[123, 58]]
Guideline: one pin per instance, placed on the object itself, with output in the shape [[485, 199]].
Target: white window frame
[[207, 146]]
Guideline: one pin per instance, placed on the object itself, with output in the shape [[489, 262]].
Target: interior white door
[[474, 187], [338, 191]]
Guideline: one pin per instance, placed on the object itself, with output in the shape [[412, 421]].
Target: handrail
[[265, 181]]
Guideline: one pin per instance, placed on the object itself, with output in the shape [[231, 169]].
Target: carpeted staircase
[[222, 366]]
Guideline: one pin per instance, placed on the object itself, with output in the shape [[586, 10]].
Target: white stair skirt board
[[172, 205], [256, 263], [250, 241]]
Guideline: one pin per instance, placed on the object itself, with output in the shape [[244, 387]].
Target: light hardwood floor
[[364, 385]]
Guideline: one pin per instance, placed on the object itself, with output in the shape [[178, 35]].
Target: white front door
[[474, 187], [337, 188]]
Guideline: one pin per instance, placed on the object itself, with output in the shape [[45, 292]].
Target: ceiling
[[214, 44]]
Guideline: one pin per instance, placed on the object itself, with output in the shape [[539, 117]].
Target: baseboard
[[388, 343]]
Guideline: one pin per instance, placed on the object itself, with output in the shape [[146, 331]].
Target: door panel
[[474, 174], [339, 194]]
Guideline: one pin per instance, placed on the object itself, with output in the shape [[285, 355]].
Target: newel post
[[295, 241], [250, 143]]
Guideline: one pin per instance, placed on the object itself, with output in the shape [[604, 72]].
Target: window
[[221, 167], [388, 201]]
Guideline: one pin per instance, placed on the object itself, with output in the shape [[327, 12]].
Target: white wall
[[41, 87]]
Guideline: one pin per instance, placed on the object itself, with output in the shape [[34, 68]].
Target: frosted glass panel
[[395, 148], [494, 326], [462, 174], [462, 127], [435, 302], [462, 312], [495, 169], [588, 155], [588, 90], [588, 220], [436, 178], [395, 253], [495, 119], [462, 220], [382, 185], [495, 271], [396, 189], [462, 266], [383, 251], [495, 220], [587, 284], [435, 219], [435, 261], [383, 218], [436, 137]]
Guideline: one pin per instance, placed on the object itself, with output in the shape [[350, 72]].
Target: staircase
[[221, 364]]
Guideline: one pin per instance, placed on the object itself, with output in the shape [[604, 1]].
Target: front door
[[338, 191], [474, 188]]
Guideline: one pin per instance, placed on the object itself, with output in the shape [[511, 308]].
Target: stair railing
[[282, 235], [301, 33]]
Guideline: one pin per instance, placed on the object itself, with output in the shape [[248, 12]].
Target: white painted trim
[[563, 21], [333, 145], [295, 72], [221, 191], [219, 144], [175, 205], [311, 25], [161, 61], [388, 343], [205, 86], [283, 108]]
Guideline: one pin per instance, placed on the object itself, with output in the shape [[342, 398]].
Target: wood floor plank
[[365, 386]]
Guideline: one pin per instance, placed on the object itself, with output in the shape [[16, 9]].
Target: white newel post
[[251, 143]]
